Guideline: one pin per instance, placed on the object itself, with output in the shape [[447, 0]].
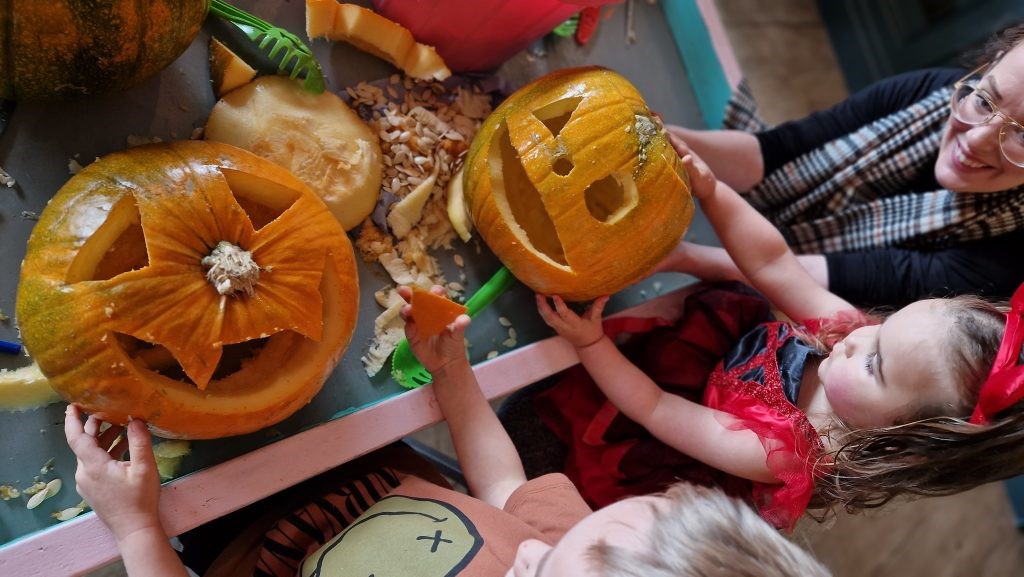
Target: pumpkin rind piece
[[25, 388], [373, 33], [82, 328], [572, 183], [57, 49], [227, 70], [433, 313]]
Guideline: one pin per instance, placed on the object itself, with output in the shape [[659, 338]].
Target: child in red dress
[[834, 409]]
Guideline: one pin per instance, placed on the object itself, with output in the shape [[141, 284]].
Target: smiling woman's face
[[969, 156]]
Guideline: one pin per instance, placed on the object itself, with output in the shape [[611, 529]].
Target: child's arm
[[688, 427], [124, 494], [488, 458], [757, 247], [713, 263], [734, 155]]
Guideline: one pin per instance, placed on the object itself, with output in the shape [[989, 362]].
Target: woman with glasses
[[913, 187]]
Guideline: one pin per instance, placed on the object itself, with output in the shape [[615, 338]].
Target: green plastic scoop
[[406, 368]]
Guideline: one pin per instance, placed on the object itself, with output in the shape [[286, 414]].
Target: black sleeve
[[790, 140], [895, 277]]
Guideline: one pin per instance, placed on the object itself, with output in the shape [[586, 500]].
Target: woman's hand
[[702, 180], [437, 352], [580, 331], [124, 494]]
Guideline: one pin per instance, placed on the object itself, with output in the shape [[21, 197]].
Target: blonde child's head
[[933, 440], [688, 531]]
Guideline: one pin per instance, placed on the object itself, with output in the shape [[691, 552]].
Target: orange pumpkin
[[65, 48], [193, 285], [572, 183], [433, 313]]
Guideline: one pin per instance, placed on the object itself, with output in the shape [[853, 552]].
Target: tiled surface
[[785, 54]]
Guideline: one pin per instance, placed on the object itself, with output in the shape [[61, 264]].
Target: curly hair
[[936, 451]]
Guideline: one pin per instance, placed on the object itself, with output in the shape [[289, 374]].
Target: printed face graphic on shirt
[[399, 536]]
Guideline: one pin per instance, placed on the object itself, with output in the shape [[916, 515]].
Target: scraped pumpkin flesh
[[315, 136]]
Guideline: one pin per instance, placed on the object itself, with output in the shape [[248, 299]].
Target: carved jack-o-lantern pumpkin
[[573, 184], [193, 285]]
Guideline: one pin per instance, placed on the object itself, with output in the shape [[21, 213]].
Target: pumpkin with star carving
[[573, 184], [193, 285]]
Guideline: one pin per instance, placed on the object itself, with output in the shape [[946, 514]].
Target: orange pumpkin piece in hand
[[433, 313]]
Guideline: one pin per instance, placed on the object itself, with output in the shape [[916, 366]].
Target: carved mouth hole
[[511, 184], [562, 166], [611, 196], [556, 115], [158, 359]]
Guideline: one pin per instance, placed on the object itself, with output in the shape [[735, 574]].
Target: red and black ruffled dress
[[725, 352]]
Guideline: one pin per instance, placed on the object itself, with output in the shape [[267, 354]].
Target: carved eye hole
[[611, 197], [555, 116], [511, 187], [118, 245], [262, 200]]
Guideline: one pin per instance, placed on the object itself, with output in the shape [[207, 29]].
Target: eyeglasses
[[972, 105]]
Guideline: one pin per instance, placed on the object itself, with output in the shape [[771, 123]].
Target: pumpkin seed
[[36, 500]]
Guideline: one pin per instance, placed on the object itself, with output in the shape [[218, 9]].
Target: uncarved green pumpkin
[[59, 49]]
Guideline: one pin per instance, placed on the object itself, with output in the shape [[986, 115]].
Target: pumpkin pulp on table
[[192, 285]]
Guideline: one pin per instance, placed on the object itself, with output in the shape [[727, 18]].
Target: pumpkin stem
[[231, 269]]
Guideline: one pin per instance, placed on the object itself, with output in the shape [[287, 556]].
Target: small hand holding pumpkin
[[580, 330], [437, 352], [125, 494], [702, 179]]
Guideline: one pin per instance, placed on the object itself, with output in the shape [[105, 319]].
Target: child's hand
[[702, 180], [124, 494], [580, 331], [439, 351]]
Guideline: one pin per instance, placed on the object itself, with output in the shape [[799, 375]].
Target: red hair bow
[[1005, 383]]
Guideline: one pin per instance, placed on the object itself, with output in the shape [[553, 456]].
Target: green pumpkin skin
[[63, 49]]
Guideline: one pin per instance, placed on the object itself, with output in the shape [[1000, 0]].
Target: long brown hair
[[936, 451]]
